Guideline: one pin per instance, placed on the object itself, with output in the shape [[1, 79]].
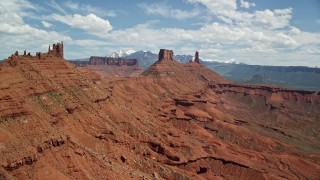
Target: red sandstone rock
[[165, 54], [283, 94], [113, 67], [95, 60], [56, 52], [196, 57]]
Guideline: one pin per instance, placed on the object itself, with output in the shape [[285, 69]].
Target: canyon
[[171, 121]]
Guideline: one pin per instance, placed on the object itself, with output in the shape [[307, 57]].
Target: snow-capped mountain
[[121, 53], [145, 58], [233, 61], [183, 58]]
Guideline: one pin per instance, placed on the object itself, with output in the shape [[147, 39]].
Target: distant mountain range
[[121, 53], [298, 77]]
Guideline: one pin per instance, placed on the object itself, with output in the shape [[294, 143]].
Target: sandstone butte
[[174, 121]]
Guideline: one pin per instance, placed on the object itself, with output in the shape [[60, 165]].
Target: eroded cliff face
[[111, 67], [55, 53], [269, 92], [165, 54], [178, 121], [95, 60]]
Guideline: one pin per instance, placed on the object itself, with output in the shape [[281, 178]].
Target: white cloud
[[246, 5], [88, 9], [294, 30], [227, 12], [167, 11], [56, 6], [16, 6], [90, 43], [20, 36], [307, 38], [11, 18], [26, 37], [217, 5], [214, 33], [11, 12], [17, 34], [46, 24], [90, 23], [31, 33], [278, 18]]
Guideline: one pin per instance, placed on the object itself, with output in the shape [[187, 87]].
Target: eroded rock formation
[[111, 67], [95, 60], [55, 52], [165, 54], [196, 57], [281, 94]]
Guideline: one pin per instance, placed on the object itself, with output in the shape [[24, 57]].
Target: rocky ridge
[[55, 52]]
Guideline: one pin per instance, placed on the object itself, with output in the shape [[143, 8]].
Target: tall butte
[[165, 55], [196, 57]]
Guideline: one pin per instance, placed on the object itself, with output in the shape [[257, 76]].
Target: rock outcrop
[[79, 63], [196, 57], [111, 67], [165, 55], [95, 60], [283, 94], [55, 52], [167, 66]]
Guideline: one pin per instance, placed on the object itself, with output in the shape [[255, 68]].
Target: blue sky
[[271, 32]]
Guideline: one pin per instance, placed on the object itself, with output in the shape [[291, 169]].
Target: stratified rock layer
[[114, 67], [54, 53], [165, 55], [95, 60], [176, 121]]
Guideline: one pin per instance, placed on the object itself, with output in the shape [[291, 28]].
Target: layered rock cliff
[[165, 55], [55, 53], [281, 94], [95, 60]]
